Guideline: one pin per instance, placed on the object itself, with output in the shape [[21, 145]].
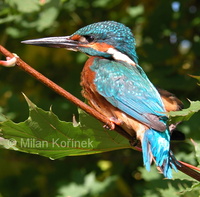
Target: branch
[[188, 169], [24, 66]]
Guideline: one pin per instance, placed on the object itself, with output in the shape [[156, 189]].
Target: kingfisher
[[116, 86]]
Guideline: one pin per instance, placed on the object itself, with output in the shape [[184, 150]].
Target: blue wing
[[126, 88]]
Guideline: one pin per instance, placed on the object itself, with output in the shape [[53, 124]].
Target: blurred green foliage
[[168, 41]]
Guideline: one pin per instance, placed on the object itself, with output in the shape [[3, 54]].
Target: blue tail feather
[[157, 144]]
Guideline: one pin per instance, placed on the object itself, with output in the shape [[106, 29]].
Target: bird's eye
[[86, 39], [89, 38]]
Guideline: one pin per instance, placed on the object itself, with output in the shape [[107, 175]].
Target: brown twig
[[24, 66], [189, 170]]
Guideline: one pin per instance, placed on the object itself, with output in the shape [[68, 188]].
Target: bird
[[115, 85]]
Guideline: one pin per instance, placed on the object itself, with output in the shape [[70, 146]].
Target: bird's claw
[[110, 126], [9, 62], [112, 122]]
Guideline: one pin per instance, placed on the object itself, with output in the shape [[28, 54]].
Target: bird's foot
[[10, 62], [113, 121]]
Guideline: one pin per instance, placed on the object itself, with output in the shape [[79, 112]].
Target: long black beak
[[55, 42]]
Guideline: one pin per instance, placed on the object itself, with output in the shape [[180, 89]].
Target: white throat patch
[[117, 55]]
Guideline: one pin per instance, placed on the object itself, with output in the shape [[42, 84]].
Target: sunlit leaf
[[25, 6], [9, 18], [14, 32], [44, 134], [135, 11], [171, 191], [185, 114], [47, 18], [197, 150], [90, 186]]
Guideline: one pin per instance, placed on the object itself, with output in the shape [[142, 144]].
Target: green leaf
[[135, 11], [27, 6], [183, 189], [185, 114], [170, 191], [47, 18], [9, 18], [44, 134], [13, 32], [150, 175], [197, 150], [90, 187]]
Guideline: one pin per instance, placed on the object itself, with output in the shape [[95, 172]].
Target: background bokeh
[[168, 44]]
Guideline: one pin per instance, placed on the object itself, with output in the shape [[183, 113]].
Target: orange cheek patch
[[103, 47]]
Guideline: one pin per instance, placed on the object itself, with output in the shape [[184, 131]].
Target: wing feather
[[127, 89]]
